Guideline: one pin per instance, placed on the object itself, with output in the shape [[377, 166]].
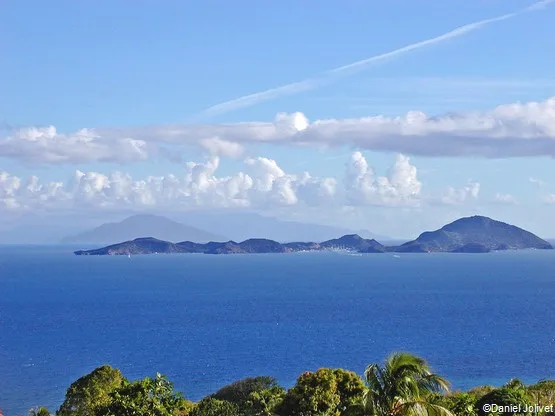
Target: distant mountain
[[241, 226], [139, 226], [466, 235], [223, 224], [474, 234]]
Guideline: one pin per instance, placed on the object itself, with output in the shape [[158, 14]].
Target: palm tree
[[37, 411], [403, 387]]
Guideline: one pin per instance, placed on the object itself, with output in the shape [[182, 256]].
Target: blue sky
[[120, 68]]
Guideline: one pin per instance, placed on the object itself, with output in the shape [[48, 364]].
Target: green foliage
[[214, 407], [513, 393], [147, 397], [351, 390], [325, 392], [404, 385], [515, 384], [314, 394], [91, 392], [542, 393], [264, 402], [239, 391], [39, 411], [462, 404]]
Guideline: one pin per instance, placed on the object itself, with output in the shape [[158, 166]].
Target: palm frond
[[403, 387]]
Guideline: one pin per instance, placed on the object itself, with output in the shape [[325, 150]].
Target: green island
[[403, 385], [475, 234]]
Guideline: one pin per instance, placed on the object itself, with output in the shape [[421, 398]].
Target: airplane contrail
[[333, 74]]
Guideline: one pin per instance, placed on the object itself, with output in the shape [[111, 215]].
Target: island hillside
[[475, 234], [151, 245]]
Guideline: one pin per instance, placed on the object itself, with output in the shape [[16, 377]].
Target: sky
[[395, 116]]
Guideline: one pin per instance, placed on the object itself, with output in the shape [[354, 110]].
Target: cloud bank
[[47, 145], [261, 184], [511, 130]]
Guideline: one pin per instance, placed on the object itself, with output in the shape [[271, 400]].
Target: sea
[[207, 320]]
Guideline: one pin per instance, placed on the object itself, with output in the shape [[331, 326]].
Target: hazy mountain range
[[141, 225], [242, 226], [194, 226]]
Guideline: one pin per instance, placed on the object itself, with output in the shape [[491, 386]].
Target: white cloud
[[219, 147], [363, 187], [457, 196], [9, 187], [505, 199], [266, 171], [263, 184], [46, 145], [539, 5], [512, 130]]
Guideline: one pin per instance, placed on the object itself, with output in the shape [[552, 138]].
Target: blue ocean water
[[207, 320]]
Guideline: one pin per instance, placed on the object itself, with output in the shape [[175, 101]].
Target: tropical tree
[[326, 392], [214, 407], [403, 386], [542, 393], [91, 392], [463, 404], [147, 397], [264, 402], [238, 392], [513, 394]]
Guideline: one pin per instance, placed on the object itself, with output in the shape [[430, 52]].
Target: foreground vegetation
[[403, 385]]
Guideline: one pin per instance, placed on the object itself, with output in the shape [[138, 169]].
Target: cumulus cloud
[[262, 184], [549, 199], [457, 196], [512, 130], [199, 186], [363, 187]]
